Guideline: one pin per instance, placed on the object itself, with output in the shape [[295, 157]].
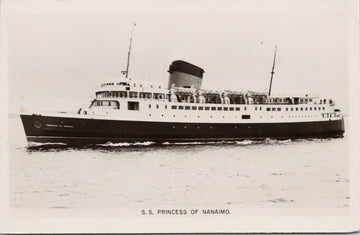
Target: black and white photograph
[[179, 116]]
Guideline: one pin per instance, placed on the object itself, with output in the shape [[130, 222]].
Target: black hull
[[83, 131]]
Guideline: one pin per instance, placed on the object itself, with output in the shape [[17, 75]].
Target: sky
[[59, 51]]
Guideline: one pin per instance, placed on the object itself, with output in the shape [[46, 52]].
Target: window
[[165, 106], [149, 105], [297, 109], [158, 96], [273, 109], [201, 108], [145, 95], [268, 109], [260, 108], [231, 109], [301, 109], [255, 108], [245, 116], [123, 94], [181, 107], [286, 109], [244, 108], [187, 107], [133, 105], [219, 108], [237, 109], [292, 109], [207, 108], [157, 106], [278, 109], [310, 108], [323, 108], [133, 94], [193, 107], [306, 109], [173, 107], [226, 108], [213, 108], [314, 108]]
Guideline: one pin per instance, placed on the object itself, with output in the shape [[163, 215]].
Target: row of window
[[131, 94], [106, 103], [182, 107], [248, 116], [242, 116], [296, 109], [118, 83], [329, 115]]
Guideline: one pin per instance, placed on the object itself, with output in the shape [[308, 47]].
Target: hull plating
[[82, 131]]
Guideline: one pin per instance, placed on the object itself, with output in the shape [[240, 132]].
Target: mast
[[129, 52], [272, 71]]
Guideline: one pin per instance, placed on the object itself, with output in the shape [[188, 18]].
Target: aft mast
[[272, 71], [129, 52]]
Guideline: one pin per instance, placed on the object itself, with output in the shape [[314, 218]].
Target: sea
[[303, 173]]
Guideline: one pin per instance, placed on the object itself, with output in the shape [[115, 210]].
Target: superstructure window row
[[182, 107], [274, 109], [131, 94]]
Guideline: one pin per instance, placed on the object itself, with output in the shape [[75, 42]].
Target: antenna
[[272, 71], [128, 58]]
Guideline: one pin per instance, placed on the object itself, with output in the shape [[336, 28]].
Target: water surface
[[248, 174]]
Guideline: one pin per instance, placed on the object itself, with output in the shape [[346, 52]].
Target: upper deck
[[130, 90]]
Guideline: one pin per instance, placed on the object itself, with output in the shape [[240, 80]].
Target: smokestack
[[184, 74]]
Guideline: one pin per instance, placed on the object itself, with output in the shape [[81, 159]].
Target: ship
[[128, 111]]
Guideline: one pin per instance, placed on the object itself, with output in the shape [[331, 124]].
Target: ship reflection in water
[[246, 174]]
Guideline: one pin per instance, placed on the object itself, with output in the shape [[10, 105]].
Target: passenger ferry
[[127, 111]]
